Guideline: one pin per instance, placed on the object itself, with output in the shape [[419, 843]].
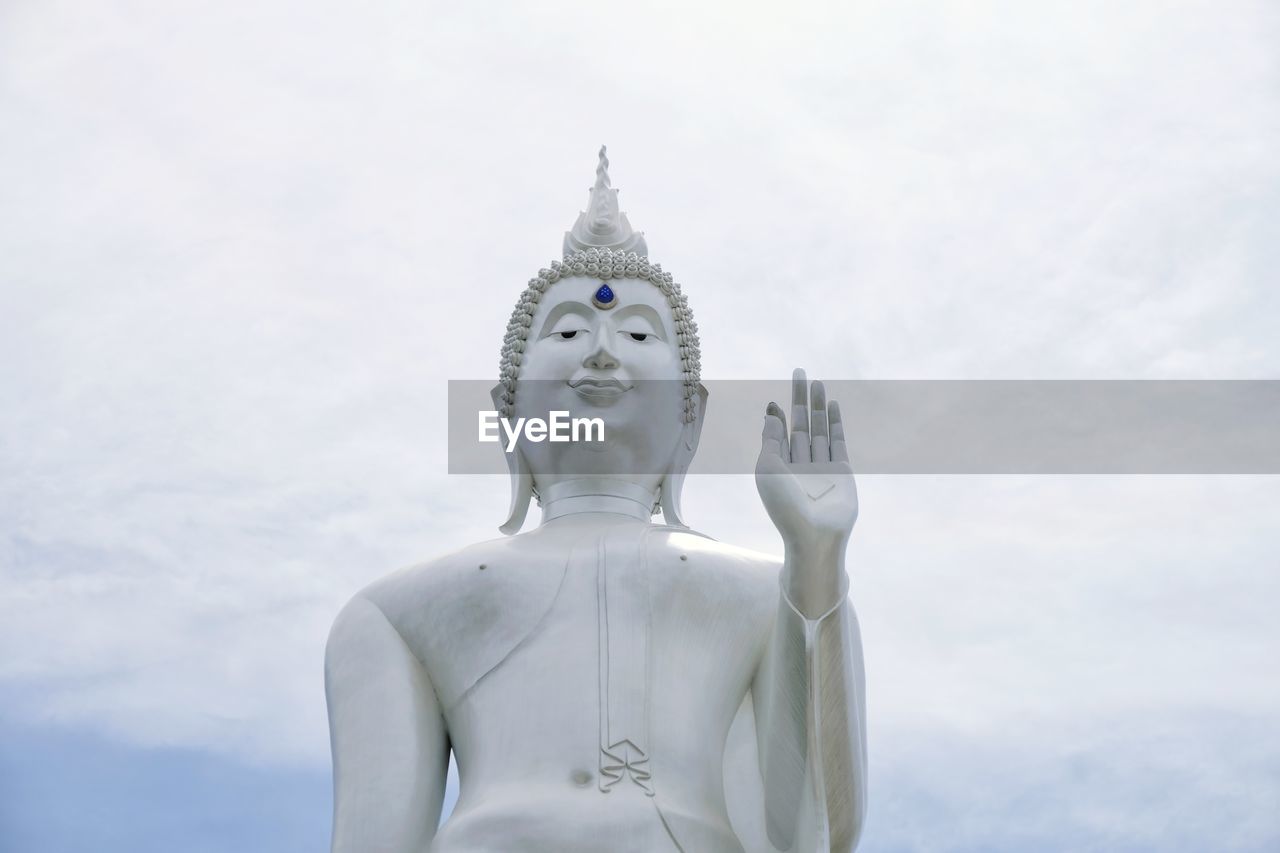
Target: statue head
[[603, 334]]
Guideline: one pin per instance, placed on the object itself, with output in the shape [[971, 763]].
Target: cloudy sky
[[242, 250]]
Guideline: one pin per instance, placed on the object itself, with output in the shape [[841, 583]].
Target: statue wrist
[[813, 575]]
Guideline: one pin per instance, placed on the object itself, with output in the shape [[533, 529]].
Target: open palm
[[804, 477]]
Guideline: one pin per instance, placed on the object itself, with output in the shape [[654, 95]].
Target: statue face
[[620, 364]]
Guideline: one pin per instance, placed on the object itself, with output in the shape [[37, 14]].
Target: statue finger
[[839, 451], [800, 417], [820, 445], [774, 437]]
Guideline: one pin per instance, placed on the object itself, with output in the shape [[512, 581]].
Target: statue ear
[[673, 482], [521, 478]]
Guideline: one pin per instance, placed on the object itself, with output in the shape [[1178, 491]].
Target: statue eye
[[639, 336], [569, 335]]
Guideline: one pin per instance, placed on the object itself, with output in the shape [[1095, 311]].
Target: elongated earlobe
[[521, 479], [521, 493], [673, 483]]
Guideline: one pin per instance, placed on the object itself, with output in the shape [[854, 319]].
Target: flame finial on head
[[602, 225]]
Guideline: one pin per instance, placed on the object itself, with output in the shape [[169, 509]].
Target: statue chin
[[636, 446], [640, 457]]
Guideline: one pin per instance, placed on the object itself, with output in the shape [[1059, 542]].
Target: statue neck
[[596, 494]]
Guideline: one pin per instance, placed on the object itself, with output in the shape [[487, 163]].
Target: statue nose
[[600, 357]]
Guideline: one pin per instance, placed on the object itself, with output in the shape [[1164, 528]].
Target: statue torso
[[588, 673]]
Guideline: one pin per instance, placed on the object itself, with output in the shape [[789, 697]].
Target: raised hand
[[807, 486]]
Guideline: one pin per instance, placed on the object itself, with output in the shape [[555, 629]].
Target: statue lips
[[599, 390]]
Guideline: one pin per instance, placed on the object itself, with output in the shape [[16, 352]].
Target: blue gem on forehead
[[604, 297]]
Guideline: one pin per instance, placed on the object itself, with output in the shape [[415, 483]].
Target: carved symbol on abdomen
[[624, 760]]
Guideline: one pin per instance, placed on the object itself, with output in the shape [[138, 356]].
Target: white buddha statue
[[607, 683]]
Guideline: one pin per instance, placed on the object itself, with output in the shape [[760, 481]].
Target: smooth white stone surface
[[606, 683]]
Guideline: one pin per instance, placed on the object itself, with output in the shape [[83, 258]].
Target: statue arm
[[809, 690], [810, 699], [390, 747]]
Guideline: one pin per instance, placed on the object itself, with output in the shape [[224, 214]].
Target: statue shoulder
[[751, 566], [483, 599], [741, 571], [434, 578]]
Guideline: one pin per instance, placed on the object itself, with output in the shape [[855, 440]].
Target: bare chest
[[627, 657]]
